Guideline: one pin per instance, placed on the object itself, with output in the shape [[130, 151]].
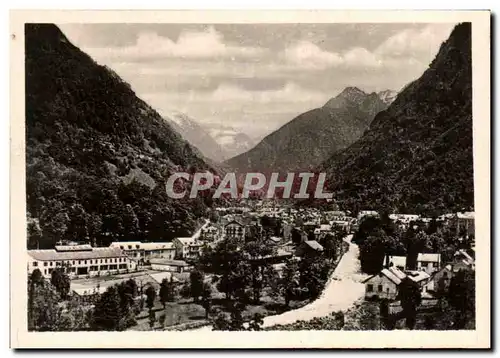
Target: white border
[[310, 339]]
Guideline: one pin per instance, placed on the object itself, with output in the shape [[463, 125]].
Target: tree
[[167, 291], [36, 277], [196, 284], [289, 283], [256, 322], [206, 299], [127, 291], [462, 296], [227, 261], [410, 296], [221, 322], [43, 313], [152, 319], [261, 272], [329, 245], [107, 313], [313, 275], [61, 282], [372, 251], [150, 297]]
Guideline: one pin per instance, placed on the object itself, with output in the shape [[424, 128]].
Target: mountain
[[196, 135], [387, 96], [312, 137], [230, 140], [97, 156], [416, 156]]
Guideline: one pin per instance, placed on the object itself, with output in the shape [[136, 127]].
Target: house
[[344, 225], [397, 261], [462, 261], [144, 251], [274, 240], [188, 247], [419, 277], [429, 263], [158, 250], [403, 220], [309, 247], [440, 280], [131, 248], [335, 215], [279, 256], [210, 233], [234, 229], [465, 224], [367, 213], [170, 265], [80, 261], [384, 284]]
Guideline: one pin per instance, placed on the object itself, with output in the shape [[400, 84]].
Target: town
[[246, 266]]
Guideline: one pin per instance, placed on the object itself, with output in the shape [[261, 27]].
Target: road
[[342, 290], [198, 233]]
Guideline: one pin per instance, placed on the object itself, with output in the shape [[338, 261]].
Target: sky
[[257, 77]]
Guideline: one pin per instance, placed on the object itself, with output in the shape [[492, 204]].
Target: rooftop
[[169, 262], [137, 245], [314, 245], [95, 253], [429, 257]]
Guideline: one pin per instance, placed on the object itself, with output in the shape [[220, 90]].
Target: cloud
[[307, 54], [227, 92], [415, 43], [408, 47], [190, 44]]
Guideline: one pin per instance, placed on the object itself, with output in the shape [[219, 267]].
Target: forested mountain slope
[[97, 157]]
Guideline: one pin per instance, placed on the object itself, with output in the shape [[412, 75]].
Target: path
[[341, 291], [198, 233]]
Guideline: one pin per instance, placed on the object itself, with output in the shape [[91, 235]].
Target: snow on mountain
[[387, 96]]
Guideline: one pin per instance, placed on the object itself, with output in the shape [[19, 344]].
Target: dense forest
[[417, 155], [97, 157]]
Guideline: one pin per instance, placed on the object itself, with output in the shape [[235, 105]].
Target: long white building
[[80, 260]]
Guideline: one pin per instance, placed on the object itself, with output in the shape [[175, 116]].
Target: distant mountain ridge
[[216, 143], [196, 135], [310, 138], [417, 155]]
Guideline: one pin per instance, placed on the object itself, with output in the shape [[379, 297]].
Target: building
[[403, 220], [80, 261], [145, 251], [367, 213], [462, 261], [335, 215], [385, 284], [234, 229], [465, 224], [343, 225], [419, 277], [210, 233], [429, 263], [170, 265], [187, 248], [397, 261], [440, 280], [308, 248]]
